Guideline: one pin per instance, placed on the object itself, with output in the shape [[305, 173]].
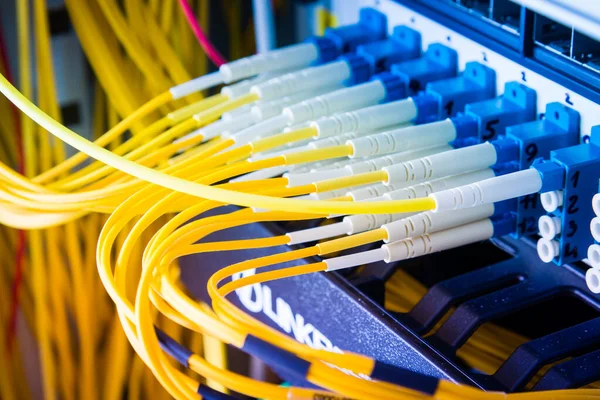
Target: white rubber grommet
[[547, 249], [593, 256], [549, 226], [552, 200], [595, 228], [592, 279]]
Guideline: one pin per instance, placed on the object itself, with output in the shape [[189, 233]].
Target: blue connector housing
[[476, 83], [517, 105], [524, 143], [328, 51], [504, 224], [427, 108], [438, 62], [487, 119], [467, 130], [372, 26], [361, 70], [579, 168], [536, 139], [394, 87], [503, 207], [402, 45]]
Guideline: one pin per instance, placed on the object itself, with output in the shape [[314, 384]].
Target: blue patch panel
[[536, 139], [573, 172]]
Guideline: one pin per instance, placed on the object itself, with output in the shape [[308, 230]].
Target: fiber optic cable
[[184, 186], [208, 47], [37, 268], [146, 179]]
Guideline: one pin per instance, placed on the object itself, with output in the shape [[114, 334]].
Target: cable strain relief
[[427, 105], [466, 126], [395, 88], [507, 150], [360, 68], [504, 224], [328, 51]]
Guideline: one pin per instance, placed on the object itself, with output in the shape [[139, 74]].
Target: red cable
[[215, 56], [21, 238]]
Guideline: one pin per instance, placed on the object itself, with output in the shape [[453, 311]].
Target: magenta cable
[[215, 56]]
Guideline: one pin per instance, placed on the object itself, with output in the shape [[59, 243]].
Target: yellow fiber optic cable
[[154, 76], [38, 272], [197, 190]]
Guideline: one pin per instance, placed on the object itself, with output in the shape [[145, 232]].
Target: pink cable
[[210, 50]]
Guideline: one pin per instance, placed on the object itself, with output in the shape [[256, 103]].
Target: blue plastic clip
[[438, 62], [402, 45], [476, 83], [372, 26]]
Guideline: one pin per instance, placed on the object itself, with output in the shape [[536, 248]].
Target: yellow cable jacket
[[215, 353], [203, 191], [348, 242], [282, 139], [107, 138], [96, 46], [317, 154], [154, 75], [194, 108], [350, 181]]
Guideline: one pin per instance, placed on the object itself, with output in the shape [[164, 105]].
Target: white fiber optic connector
[[217, 128], [345, 99], [439, 241], [593, 255], [367, 119], [596, 204], [232, 114], [417, 246], [551, 201], [263, 110], [404, 139], [260, 129], [296, 56], [305, 79], [371, 165], [235, 90], [370, 192], [429, 222], [453, 162], [350, 225], [548, 250], [488, 191], [426, 188], [265, 66], [549, 227], [592, 279]]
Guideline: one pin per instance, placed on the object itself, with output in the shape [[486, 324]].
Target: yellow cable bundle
[[139, 181]]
